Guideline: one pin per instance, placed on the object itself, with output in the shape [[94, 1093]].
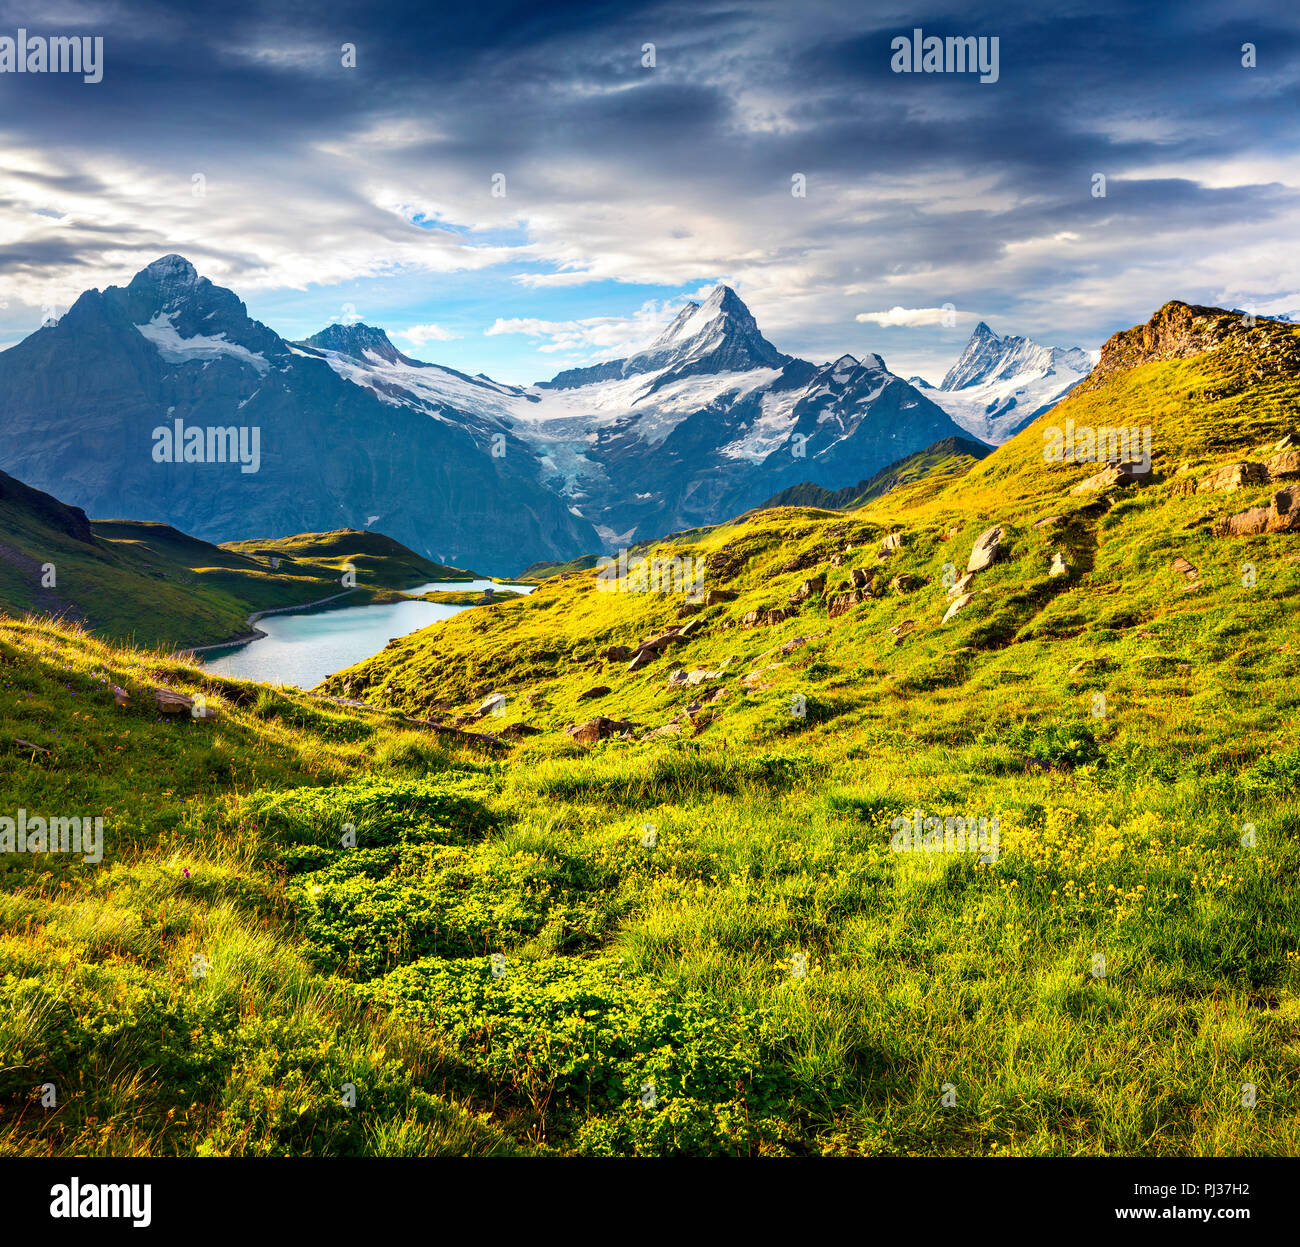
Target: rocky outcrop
[[810, 588], [1280, 516], [1180, 330], [596, 729], [1233, 476], [1283, 466], [766, 618]]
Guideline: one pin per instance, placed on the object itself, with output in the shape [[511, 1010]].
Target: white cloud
[[420, 334], [910, 316], [604, 337]]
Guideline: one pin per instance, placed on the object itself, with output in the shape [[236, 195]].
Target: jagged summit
[[990, 358], [999, 384], [716, 336], [356, 341], [173, 268]]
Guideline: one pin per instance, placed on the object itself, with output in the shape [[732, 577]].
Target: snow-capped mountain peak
[[999, 384], [357, 341], [717, 336]]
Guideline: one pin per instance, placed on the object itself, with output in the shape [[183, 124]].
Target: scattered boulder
[[987, 549], [905, 583], [1046, 520], [845, 602], [599, 728], [795, 642], [700, 675], [599, 690], [891, 543], [1116, 474], [958, 604], [716, 596], [120, 696], [616, 653], [673, 728], [766, 618], [517, 731], [1280, 516], [755, 678], [809, 588], [1233, 476], [899, 631], [640, 659], [497, 702], [1284, 465], [860, 578], [169, 702], [662, 641], [1181, 565], [1089, 665], [690, 629], [960, 587]]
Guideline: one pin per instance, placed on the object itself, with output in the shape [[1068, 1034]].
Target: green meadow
[[323, 928]]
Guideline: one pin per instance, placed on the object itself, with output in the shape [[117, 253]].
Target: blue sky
[[333, 191]]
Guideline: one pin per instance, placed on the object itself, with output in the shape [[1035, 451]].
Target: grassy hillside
[[1130, 725], [693, 933], [378, 559], [950, 457], [163, 993], [148, 582]]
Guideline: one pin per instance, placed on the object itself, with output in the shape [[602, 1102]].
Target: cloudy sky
[[319, 191]]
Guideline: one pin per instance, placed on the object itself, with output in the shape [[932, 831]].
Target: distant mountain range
[[114, 408], [999, 385]]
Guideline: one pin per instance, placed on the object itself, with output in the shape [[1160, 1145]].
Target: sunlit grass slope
[[696, 936]]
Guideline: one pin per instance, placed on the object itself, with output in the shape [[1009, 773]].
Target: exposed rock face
[[1180, 330], [1280, 516], [987, 549]]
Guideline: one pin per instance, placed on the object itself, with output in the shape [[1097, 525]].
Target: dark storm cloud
[[920, 186]]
